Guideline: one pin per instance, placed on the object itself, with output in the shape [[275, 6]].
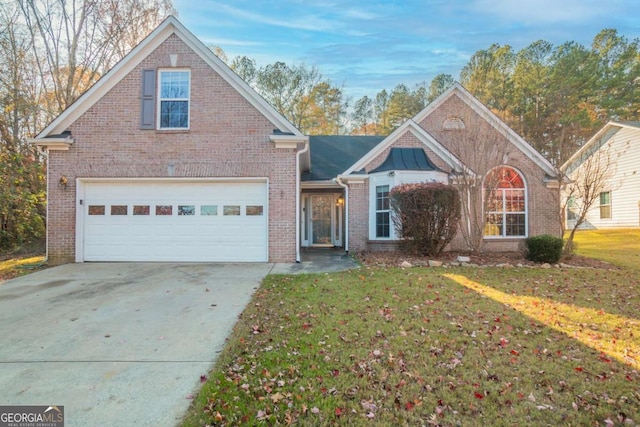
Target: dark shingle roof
[[333, 154], [413, 159]]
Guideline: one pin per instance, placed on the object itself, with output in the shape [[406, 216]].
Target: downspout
[[45, 153], [346, 212], [298, 175]]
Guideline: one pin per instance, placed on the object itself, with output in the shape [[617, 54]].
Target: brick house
[[172, 157]]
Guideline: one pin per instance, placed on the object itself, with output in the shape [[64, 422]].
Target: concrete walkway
[[318, 260]]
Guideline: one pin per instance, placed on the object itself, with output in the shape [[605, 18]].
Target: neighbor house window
[[506, 205], [571, 209], [383, 213], [174, 92], [605, 205]]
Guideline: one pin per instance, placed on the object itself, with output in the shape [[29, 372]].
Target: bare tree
[[77, 41], [475, 141], [588, 176]]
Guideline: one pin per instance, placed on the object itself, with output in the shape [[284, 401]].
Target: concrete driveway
[[118, 344]]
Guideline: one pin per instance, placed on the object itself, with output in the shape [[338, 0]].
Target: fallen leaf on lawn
[[315, 410], [338, 412]]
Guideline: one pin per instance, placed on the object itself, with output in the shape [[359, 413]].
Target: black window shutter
[[148, 99]]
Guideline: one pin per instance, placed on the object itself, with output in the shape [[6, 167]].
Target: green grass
[[18, 266], [432, 346], [620, 247]]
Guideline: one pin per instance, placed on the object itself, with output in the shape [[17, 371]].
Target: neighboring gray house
[[616, 147]]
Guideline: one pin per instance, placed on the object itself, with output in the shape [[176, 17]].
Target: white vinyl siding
[[623, 185]]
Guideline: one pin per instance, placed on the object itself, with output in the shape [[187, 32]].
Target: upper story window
[[174, 90], [506, 203]]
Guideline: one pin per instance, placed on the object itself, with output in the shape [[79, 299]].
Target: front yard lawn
[[432, 346], [14, 267], [620, 246]]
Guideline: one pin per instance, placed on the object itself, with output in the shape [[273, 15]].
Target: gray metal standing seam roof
[[413, 159]]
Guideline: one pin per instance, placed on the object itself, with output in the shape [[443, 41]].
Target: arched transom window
[[505, 203]]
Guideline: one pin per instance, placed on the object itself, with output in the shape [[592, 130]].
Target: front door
[[321, 219]]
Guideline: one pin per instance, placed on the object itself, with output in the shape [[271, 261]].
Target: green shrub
[[426, 216], [544, 248]]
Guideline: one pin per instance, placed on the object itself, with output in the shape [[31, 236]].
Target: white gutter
[[346, 212], [298, 174]]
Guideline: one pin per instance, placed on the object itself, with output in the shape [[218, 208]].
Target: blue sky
[[369, 45]]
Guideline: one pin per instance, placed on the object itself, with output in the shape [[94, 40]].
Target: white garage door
[[174, 221]]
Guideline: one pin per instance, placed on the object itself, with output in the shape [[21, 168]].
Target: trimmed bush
[[544, 248], [426, 216]]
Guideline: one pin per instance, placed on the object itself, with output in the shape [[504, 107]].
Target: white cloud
[[544, 11]]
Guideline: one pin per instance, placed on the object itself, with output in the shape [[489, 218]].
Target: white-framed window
[[605, 205], [505, 204], [383, 212], [174, 91], [380, 215]]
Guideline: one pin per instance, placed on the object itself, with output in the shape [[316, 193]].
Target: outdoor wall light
[[63, 182], [392, 173]]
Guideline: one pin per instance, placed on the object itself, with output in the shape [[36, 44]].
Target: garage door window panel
[[254, 210], [208, 210], [231, 210], [186, 210], [119, 209], [164, 210], [96, 210], [141, 210]]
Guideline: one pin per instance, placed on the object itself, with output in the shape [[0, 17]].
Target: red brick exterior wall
[[228, 137], [481, 147]]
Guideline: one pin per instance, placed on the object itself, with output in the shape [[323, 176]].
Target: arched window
[[505, 203]]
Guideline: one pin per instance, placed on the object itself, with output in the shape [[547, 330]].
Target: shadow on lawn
[[607, 333]]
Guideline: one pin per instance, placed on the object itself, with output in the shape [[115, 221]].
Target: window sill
[[504, 237], [172, 131]]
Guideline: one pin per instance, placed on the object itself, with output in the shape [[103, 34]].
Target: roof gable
[[168, 27], [422, 136], [479, 108], [598, 140]]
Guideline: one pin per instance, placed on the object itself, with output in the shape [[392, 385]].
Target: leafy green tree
[[571, 102], [362, 116], [439, 85], [327, 110], [380, 108], [403, 105], [246, 68], [488, 75], [530, 84], [618, 70], [22, 193]]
